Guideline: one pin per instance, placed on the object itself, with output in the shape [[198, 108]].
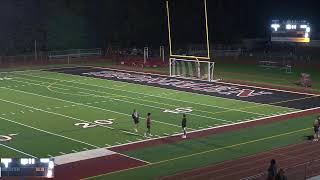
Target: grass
[[272, 77], [186, 155], [47, 111], [54, 104], [251, 74]]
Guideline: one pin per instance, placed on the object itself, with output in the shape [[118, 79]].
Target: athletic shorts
[[136, 121], [316, 129], [148, 126]]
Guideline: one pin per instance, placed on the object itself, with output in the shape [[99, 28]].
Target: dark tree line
[[67, 24]]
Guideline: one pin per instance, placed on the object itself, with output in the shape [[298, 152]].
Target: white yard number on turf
[[179, 110], [95, 123], [4, 138]]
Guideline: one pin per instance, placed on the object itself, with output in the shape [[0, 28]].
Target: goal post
[[191, 69]]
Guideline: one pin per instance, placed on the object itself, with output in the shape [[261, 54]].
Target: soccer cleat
[[136, 130]]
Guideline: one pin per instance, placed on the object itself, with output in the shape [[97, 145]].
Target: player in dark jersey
[[148, 125], [184, 126], [316, 129], [135, 117]]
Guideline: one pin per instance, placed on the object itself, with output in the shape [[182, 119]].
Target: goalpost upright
[[191, 60]]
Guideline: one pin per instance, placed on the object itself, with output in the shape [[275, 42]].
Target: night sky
[[66, 24]]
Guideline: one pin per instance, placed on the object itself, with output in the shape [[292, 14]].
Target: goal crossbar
[[191, 69]]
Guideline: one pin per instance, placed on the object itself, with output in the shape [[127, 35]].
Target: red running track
[[294, 159]]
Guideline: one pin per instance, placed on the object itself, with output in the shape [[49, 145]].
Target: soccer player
[[148, 125], [184, 126], [316, 127], [135, 117]]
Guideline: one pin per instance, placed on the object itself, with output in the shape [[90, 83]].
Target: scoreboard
[[27, 167], [290, 31]]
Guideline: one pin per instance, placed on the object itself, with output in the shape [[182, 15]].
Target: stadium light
[[275, 26]]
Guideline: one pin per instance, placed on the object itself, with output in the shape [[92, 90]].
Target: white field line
[[156, 107], [47, 132], [161, 97], [161, 75], [58, 136], [16, 150], [219, 82], [49, 112], [81, 104], [105, 87], [135, 158], [216, 127], [133, 102]]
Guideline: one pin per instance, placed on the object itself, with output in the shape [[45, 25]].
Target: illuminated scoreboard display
[[27, 167], [290, 31]]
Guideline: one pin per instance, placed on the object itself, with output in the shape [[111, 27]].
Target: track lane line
[[205, 152]]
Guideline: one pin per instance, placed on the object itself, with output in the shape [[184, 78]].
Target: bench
[[274, 64]]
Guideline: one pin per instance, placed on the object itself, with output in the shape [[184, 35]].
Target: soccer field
[[47, 114]]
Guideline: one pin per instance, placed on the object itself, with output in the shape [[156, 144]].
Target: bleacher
[[138, 61]]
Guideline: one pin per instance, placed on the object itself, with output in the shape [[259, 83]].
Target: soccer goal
[[191, 69]]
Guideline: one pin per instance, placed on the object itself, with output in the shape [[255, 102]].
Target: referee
[[184, 126]]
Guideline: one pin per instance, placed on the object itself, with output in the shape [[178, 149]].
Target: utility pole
[[35, 50]]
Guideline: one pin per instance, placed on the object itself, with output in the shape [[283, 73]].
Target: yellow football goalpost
[[190, 66]]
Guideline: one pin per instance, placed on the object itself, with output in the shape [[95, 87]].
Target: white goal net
[[191, 69]]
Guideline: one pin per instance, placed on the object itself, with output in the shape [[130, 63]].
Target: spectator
[[305, 80], [316, 129], [281, 175], [272, 170]]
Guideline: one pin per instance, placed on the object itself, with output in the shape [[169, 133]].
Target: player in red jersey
[[148, 125]]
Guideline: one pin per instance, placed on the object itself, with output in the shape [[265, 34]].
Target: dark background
[[66, 24]]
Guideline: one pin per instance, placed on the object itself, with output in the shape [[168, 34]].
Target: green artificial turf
[[168, 159], [60, 105], [47, 111]]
